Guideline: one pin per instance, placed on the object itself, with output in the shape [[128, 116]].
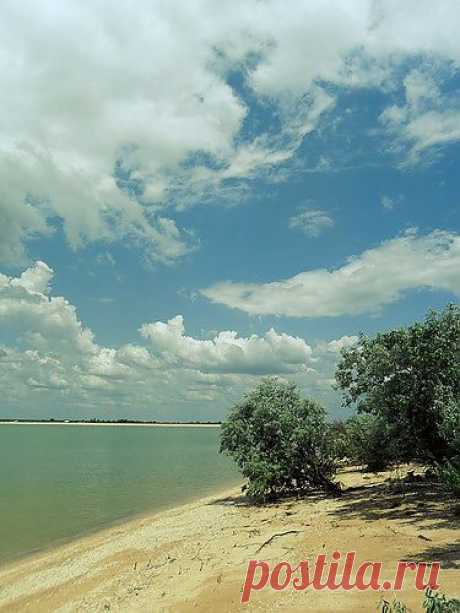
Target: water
[[57, 482]]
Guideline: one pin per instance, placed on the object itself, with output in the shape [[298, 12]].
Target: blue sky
[[223, 196]]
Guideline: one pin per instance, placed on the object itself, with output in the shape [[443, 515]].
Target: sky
[[195, 195]]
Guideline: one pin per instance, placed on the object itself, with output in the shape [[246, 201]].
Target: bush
[[433, 603], [449, 475], [339, 439], [438, 603], [371, 442], [279, 441], [393, 607]]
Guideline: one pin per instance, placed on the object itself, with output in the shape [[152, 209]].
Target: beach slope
[[194, 557]]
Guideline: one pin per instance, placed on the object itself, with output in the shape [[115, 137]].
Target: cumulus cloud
[[48, 321], [344, 342], [54, 349], [55, 363], [147, 121], [312, 222], [228, 352], [366, 283]]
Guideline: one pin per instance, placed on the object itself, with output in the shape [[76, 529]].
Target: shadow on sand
[[422, 505]]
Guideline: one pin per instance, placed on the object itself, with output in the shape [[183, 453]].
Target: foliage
[[433, 603], [393, 607], [371, 442], [279, 441], [438, 603], [449, 476], [365, 439], [410, 377], [338, 438]]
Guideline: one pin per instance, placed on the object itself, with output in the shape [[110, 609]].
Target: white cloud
[[421, 88], [344, 342], [311, 222], [391, 202], [388, 203], [228, 352], [20, 222], [55, 353], [48, 321], [55, 366], [377, 277], [35, 279], [427, 121], [137, 357], [147, 92]]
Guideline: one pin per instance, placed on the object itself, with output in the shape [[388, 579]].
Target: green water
[[57, 482]]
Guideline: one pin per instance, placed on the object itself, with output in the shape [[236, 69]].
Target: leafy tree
[[339, 439], [411, 378], [371, 441], [279, 441]]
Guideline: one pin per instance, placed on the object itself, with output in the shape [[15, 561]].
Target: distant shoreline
[[113, 423]]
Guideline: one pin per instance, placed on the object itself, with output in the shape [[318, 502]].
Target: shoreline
[[193, 557], [127, 523], [84, 423]]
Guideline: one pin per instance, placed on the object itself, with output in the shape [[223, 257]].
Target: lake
[[60, 481]]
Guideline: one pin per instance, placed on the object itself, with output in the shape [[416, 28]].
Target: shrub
[[339, 439], [433, 603], [393, 607], [279, 441], [371, 442], [449, 475], [438, 603]]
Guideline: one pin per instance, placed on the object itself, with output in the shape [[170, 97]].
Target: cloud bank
[[113, 120], [227, 352], [55, 364]]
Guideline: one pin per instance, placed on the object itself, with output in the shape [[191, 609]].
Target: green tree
[[339, 439], [371, 441], [279, 441], [410, 377]]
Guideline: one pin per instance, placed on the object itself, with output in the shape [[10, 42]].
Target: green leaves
[[410, 377], [370, 441], [279, 441], [433, 603], [439, 603], [449, 476]]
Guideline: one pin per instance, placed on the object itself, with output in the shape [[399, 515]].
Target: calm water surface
[[57, 482]]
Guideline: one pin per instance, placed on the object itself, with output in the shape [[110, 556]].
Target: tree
[[410, 377], [370, 441], [279, 441], [339, 439]]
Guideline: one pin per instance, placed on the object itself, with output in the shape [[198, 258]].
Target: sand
[[194, 557]]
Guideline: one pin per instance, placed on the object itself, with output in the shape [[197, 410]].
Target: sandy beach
[[194, 557]]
